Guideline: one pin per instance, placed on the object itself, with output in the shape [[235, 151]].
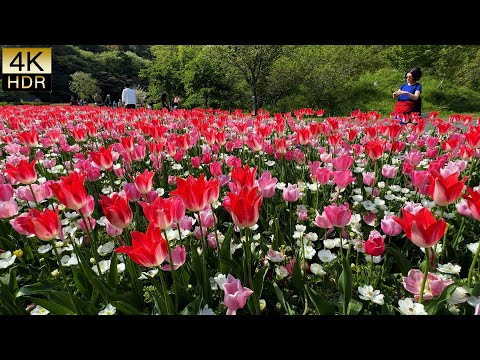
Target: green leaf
[[345, 283], [52, 306], [476, 289], [258, 280], [193, 308], [164, 301], [42, 287], [81, 283], [324, 307], [12, 281], [225, 251], [404, 264], [281, 298], [297, 276], [354, 307], [113, 278], [126, 308], [437, 304]]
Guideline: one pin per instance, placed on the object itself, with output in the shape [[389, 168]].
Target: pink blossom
[[368, 178], [267, 184], [389, 171], [179, 256], [343, 178], [322, 220], [91, 222], [89, 206], [291, 193], [414, 157], [8, 208], [390, 226], [236, 295], [6, 192], [343, 162], [433, 286], [302, 213], [111, 229], [339, 215], [370, 218], [412, 207], [131, 191], [463, 209]]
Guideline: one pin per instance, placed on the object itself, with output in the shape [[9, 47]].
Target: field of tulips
[[209, 212]]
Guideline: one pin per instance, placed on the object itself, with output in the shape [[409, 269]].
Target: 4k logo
[[27, 69]]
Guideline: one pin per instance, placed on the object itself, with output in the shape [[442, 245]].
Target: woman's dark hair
[[416, 73]]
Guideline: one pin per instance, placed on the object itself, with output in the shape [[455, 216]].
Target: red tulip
[[70, 190], [473, 202], [148, 249], [445, 191], [244, 206], [24, 172], [422, 228], [45, 225], [117, 210], [195, 193], [144, 182]]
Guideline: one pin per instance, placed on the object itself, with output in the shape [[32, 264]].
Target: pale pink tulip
[[433, 286], [390, 226], [179, 256], [339, 215], [8, 208], [236, 295]]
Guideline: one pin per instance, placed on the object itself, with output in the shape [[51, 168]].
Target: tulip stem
[[172, 269], [34, 197], [206, 283], [425, 274], [472, 267], [62, 270], [248, 259]]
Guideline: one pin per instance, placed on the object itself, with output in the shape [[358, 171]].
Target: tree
[[253, 61], [84, 85], [205, 77]]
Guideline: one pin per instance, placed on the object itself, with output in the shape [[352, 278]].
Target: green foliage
[[84, 85]]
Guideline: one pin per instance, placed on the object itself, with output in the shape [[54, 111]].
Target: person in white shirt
[[129, 98]]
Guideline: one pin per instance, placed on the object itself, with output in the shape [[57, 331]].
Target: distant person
[[129, 98], [108, 101], [165, 101], [98, 100], [408, 94], [176, 102], [73, 100]]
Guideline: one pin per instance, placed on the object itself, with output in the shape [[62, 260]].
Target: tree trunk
[[254, 98]]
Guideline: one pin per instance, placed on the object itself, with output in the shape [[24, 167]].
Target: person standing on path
[[129, 98]]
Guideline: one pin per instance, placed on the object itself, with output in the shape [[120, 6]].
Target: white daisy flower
[[473, 247], [106, 249], [206, 311], [326, 256], [108, 310], [317, 269], [449, 268], [366, 292], [6, 259], [39, 310], [409, 307]]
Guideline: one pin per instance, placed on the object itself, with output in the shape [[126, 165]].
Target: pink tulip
[[291, 193], [390, 226], [236, 295], [6, 192], [433, 286], [111, 229], [389, 171], [131, 191], [179, 256], [343, 178], [343, 162], [302, 213], [323, 221], [414, 157], [8, 208], [88, 208], [463, 209], [267, 184], [431, 153], [368, 178], [90, 222], [338, 215]]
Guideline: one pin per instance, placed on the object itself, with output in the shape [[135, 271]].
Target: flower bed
[[124, 211]]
